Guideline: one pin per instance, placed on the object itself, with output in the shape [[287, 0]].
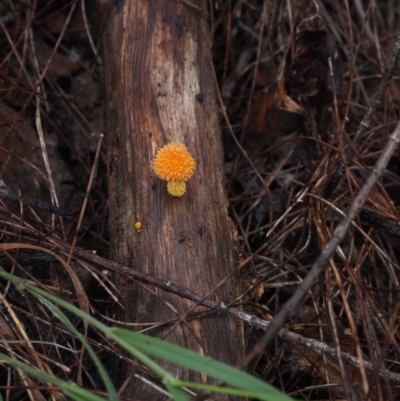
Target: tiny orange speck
[[138, 225]]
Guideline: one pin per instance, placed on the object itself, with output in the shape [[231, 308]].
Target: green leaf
[[71, 389], [233, 391], [199, 363], [103, 373], [177, 392], [139, 345]]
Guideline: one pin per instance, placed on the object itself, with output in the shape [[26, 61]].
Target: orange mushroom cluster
[[174, 164]]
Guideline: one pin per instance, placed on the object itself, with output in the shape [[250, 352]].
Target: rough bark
[[160, 89]]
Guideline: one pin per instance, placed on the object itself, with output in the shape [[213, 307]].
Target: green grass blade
[[199, 363], [100, 367], [71, 389], [177, 392], [139, 345], [233, 391], [44, 297]]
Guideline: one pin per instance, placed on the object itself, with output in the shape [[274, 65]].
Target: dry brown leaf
[[273, 117]]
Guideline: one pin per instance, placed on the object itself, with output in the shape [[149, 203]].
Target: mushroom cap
[[173, 162], [176, 188]]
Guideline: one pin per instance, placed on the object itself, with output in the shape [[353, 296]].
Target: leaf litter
[[297, 80]]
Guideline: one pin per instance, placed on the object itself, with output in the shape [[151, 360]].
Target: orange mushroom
[[174, 163]]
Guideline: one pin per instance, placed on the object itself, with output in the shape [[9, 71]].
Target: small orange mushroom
[[174, 163]]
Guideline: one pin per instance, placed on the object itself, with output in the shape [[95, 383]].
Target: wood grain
[[159, 88]]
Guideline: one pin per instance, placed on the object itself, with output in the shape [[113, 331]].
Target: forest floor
[[305, 115]]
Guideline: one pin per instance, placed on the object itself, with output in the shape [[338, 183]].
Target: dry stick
[[85, 200], [46, 160], [44, 72], [365, 123], [348, 386], [39, 128], [389, 72], [13, 194], [353, 56], [89, 35], [78, 227], [291, 306], [289, 309], [251, 320]]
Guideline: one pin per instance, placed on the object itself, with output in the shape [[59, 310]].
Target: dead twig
[[86, 198], [251, 320], [376, 99], [292, 306], [13, 194]]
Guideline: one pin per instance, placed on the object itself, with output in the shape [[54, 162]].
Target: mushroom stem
[[176, 188]]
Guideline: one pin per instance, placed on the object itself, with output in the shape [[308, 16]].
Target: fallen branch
[[293, 304], [251, 320]]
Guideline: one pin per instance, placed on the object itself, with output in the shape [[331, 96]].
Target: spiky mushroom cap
[[173, 162]]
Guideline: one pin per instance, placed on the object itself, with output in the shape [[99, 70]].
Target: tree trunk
[[160, 89]]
